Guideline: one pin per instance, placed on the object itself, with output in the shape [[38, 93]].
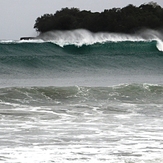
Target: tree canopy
[[127, 20]]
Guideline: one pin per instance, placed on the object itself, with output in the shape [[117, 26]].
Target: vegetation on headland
[[125, 20]]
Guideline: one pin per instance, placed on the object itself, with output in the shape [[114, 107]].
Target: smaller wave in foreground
[[126, 93]]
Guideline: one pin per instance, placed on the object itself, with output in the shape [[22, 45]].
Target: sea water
[[76, 96]]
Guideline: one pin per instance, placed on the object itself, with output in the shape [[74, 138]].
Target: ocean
[[77, 96]]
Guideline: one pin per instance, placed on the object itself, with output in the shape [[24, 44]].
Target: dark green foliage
[[127, 20]]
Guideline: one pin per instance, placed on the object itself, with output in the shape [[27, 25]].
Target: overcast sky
[[17, 17]]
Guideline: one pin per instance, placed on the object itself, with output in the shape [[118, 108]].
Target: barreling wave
[[110, 60], [46, 55], [84, 37], [39, 45], [24, 53]]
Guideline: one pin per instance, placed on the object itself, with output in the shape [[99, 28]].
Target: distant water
[[75, 96]]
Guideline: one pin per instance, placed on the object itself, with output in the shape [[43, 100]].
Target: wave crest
[[159, 45], [81, 37]]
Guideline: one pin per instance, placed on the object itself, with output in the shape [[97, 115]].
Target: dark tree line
[[127, 20]]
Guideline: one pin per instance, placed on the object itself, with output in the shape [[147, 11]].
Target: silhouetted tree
[[128, 19]]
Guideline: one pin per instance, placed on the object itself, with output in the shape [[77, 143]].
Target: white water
[[159, 45], [75, 133], [81, 37], [84, 37]]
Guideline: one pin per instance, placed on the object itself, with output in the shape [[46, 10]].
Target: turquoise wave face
[[112, 60], [110, 54]]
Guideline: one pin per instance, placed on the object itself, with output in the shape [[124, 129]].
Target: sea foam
[[159, 45], [81, 37]]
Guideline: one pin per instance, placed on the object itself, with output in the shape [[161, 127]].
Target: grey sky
[[17, 17]]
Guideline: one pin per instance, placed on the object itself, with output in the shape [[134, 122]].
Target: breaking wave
[[82, 37]]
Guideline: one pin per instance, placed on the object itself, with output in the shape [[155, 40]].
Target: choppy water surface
[[82, 124]]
